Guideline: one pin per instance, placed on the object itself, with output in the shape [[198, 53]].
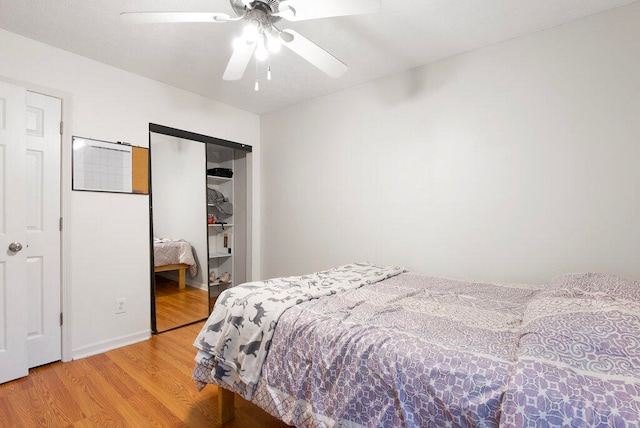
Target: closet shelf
[[219, 255], [221, 283], [220, 225], [214, 179]]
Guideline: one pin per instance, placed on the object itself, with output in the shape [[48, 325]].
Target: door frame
[[65, 206]]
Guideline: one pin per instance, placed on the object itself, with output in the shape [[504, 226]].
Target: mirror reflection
[[179, 210]]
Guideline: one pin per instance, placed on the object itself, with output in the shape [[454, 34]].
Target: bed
[[365, 345], [174, 254]]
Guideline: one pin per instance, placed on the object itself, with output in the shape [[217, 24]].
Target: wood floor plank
[[36, 413], [58, 399], [7, 418], [175, 307], [116, 377], [119, 409], [147, 384], [73, 380]]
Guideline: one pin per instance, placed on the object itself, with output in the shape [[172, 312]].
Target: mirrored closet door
[[179, 232], [200, 216]]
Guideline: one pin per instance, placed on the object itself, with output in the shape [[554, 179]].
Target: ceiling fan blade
[[313, 53], [168, 17], [300, 10], [239, 61]]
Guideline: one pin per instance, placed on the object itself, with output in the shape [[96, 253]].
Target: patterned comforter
[[578, 363], [419, 351], [171, 252], [238, 333]]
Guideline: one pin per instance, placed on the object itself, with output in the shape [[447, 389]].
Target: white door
[[29, 233], [43, 228], [13, 232]]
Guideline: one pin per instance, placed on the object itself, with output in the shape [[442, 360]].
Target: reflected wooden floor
[[175, 307], [147, 384]]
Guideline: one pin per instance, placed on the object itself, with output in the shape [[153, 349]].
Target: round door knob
[[15, 247]]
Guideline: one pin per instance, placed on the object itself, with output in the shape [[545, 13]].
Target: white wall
[[108, 233], [515, 162]]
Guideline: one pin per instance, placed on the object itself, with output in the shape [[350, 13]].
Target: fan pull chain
[[269, 72], [256, 87]]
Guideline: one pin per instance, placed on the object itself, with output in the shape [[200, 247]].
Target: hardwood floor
[[147, 384], [175, 307]]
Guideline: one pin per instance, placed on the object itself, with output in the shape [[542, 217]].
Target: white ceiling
[[403, 35]]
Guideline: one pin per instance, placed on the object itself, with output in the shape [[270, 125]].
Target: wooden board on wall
[[140, 170]]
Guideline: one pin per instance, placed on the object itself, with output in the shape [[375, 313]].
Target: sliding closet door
[[190, 175], [179, 214]]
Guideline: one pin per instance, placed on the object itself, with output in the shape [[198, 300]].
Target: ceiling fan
[[261, 35]]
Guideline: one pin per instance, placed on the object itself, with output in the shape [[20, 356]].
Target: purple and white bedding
[[419, 351], [578, 361], [239, 330], [172, 252]]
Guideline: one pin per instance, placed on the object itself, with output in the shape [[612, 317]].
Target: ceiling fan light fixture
[[273, 44], [251, 31], [238, 43], [261, 37]]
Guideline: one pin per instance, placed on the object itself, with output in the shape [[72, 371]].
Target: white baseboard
[[99, 348], [198, 285]]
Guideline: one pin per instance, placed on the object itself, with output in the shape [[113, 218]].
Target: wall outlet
[[121, 305]]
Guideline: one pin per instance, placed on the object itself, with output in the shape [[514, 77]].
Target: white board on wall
[[101, 166]]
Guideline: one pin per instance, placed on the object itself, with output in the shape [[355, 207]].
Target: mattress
[[416, 350], [170, 252]]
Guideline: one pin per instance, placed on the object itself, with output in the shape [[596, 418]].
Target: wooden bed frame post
[[182, 272], [182, 278], [226, 409]]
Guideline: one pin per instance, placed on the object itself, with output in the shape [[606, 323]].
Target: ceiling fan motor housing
[[266, 6]]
